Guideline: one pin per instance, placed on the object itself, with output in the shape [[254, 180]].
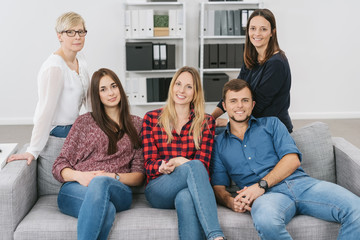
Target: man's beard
[[241, 121]]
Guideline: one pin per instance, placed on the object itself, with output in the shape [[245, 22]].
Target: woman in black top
[[266, 69]]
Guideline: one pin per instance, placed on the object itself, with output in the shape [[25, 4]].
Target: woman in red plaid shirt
[[177, 144]]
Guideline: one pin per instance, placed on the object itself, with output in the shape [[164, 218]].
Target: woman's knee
[[184, 201]]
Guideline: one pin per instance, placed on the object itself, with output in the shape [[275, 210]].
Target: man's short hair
[[236, 85]]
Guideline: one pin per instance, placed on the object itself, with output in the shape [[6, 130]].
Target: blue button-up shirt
[[246, 161]]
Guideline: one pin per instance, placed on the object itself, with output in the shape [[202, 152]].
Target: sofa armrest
[[347, 158], [18, 194]]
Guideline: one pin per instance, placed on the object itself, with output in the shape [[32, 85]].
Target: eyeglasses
[[72, 33]]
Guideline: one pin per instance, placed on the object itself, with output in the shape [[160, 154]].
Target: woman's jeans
[[95, 206], [308, 196], [188, 190], [60, 131]]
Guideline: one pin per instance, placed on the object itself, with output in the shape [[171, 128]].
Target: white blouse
[[61, 93]]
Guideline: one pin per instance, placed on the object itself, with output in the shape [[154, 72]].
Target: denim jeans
[[307, 196], [60, 131], [188, 190], [95, 206]]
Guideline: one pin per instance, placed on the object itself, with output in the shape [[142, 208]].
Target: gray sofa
[[25, 215]]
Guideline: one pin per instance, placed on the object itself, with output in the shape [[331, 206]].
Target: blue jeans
[[307, 196], [188, 190], [60, 131], [95, 206]]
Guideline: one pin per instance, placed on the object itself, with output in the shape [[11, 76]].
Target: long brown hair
[[168, 117], [250, 53], [114, 131]]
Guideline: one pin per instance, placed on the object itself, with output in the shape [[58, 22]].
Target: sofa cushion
[[45, 221], [315, 144], [47, 184]]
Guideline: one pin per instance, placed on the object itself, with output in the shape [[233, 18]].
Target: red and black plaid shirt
[[156, 148]]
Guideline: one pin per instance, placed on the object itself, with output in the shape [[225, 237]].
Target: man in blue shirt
[[261, 157]]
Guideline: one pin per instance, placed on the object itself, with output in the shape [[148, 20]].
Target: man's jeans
[[95, 206], [307, 196], [188, 190]]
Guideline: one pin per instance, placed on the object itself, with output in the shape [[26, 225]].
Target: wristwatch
[[263, 184], [117, 177]]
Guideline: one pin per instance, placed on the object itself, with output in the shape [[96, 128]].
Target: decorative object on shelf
[[212, 82], [161, 25]]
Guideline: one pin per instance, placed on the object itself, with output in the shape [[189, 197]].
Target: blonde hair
[[168, 117], [67, 21]]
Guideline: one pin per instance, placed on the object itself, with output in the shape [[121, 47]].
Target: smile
[[180, 96]]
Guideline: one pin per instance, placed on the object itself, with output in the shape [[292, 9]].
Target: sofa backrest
[[315, 144]]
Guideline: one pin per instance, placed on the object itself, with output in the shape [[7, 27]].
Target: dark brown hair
[[108, 126], [236, 85], [250, 53]]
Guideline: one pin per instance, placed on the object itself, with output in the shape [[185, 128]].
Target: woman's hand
[[166, 167], [22, 156], [84, 178], [178, 161]]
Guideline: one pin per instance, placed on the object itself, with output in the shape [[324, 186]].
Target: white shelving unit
[[204, 39], [178, 41]]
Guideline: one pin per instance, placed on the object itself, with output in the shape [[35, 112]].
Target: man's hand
[[221, 122], [248, 195]]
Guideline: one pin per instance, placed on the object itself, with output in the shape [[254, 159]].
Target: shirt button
[[249, 158], [244, 145]]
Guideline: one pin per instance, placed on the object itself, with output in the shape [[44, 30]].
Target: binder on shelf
[[164, 84], [149, 90], [135, 96], [205, 30], [206, 56], [230, 56], [156, 92], [224, 24], [222, 56], [142, 90], [142, 23], [217, 23], [163, 56], [230, 22], [211, 23], [135, 23], [156, 56], [239, 55], [128, 89], [139, 56], [172, 22], [237, 23], [170, 51], [179, 22], [213, 59], [244, 18], [250, 11], [149, 22], [127, 23]]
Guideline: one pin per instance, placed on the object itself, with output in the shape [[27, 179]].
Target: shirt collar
[[251, 120]]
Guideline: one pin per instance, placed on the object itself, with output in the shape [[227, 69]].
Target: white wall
[[320, 38]]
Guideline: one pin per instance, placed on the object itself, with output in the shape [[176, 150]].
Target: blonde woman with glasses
[[63, 81]]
